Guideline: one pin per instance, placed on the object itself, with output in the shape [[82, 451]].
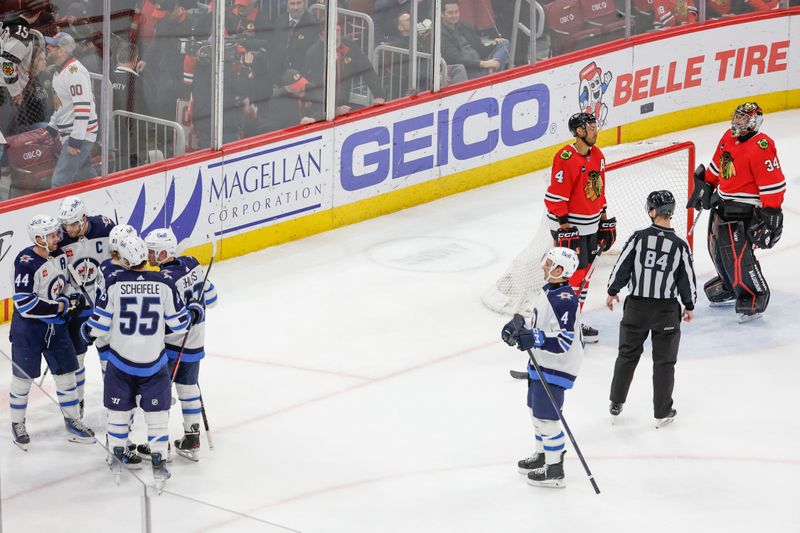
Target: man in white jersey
[[198, 293], [75, 118], [131, 316]]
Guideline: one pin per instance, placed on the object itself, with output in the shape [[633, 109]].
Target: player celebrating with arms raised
[[576, 203], [749, 186]]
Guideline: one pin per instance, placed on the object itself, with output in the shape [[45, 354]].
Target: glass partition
[[164, 81]]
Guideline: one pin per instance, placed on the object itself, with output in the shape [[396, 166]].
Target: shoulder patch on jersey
[[73, 69], [763, 144], [70, 253], [44, 273], [26, 259], [566, 154], [8, 69], [566, 295]]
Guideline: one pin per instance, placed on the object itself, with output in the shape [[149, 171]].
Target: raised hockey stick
[[519, 322]]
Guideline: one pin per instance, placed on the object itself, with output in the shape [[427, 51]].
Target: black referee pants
[[662, 320]]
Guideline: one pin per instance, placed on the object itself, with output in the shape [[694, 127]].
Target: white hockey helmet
[[42, 226], [132, 251], [566, 258], [117, 234], [71, 210], [162, 239]]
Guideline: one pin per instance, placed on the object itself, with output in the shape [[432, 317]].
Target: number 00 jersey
[[188, 275], [131, 316]]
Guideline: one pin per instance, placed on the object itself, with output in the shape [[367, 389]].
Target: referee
[[656, 265]]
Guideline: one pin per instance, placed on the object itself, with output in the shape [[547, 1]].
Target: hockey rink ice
[[355, 383]]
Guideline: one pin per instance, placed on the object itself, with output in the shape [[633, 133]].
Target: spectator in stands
[[293, 33], [351, 63], [74, 119], [129, 92], [671, 13], [37, 101], [290, 107], [453, 74], [461, 44], [757, 6], [385, 13]]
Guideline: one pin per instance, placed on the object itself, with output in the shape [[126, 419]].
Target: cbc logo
[[33, 154], [600, 6], [568, 18]]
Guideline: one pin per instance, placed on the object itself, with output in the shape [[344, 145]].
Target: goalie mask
[[565, 258], [747, 118]]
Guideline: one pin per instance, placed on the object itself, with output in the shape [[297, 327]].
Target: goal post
[[632, 172]]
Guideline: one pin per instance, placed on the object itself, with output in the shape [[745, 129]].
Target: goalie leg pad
[[718, 291], [735, 252]]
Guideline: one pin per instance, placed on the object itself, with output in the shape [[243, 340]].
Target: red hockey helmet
[[747, 118]]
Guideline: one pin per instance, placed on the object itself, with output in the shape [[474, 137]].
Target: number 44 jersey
[[131, 316], [188, 276]]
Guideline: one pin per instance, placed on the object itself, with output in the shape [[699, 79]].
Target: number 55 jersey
[[131, 316]]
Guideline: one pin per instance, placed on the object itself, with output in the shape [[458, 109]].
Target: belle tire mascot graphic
[[591, 88]]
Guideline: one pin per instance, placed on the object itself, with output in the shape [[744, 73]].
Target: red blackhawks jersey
[[748, 172], [577, 190]]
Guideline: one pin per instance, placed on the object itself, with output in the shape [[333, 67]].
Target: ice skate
[[78, 432], [745, 318], [661, 422], [531, 463], [590, 335], [144, 451], [615, 409], [116, 461], [21, 437], [549, 476], [189, 445], [160, 472], [130, 458]]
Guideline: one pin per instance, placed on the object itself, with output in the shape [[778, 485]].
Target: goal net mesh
[[632, 172]]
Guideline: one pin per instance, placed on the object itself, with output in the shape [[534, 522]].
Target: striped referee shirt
[[655, 263]]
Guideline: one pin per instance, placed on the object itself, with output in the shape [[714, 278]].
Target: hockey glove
[[767, 229], [530, 338], [86, 333], [607, 233], [702, 193], [567, 237], [508, 334], [196, 312], [77, 303], [66, 309]]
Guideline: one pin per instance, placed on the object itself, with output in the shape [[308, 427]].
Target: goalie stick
[[519, 322]]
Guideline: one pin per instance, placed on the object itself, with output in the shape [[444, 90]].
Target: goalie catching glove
[[703, 196], [767, 228], [607, 233]]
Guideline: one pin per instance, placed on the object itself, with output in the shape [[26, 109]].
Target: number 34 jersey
[[131, 316], [747, 172], [188, 276]]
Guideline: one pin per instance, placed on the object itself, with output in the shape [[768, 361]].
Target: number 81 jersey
[[747, 172], [131, 316]]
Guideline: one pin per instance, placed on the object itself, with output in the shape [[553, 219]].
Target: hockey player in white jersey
[[132, 315], [38, 328], [554, 334], [198, 293], [85, 243]]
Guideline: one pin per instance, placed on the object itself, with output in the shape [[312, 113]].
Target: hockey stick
[[205, 421], [519, 322], [694, 222], [116, 218]]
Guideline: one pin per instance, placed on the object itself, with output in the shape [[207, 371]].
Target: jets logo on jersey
[[763, 144], [25, 259], [566, 295], [727, 169], [87, 269], [594, 186], [56, 287], [566, 154]]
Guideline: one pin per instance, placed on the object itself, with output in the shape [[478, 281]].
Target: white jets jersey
[[17, 41], [556, 313], [75, 116], [86, 253], [131, 316], [188, 275], [38, 282]]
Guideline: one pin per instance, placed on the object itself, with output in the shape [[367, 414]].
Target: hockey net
[[632, 172]]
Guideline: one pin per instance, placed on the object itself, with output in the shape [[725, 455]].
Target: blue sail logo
[[183, 225]]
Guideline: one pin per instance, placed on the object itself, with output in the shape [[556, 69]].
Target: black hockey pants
[[662, 320]]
